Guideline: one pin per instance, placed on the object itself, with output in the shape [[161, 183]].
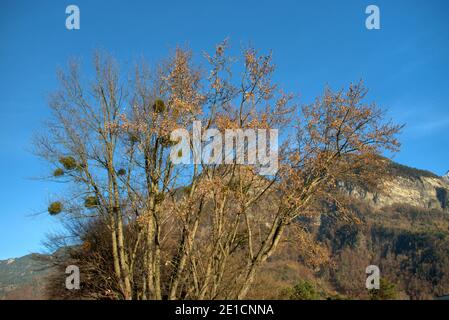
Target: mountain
[[24, 278], [404, 230]]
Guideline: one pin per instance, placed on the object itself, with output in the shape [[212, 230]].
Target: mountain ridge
[[411, 193], [21, 277]]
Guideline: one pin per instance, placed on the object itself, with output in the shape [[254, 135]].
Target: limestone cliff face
[[409, 186]]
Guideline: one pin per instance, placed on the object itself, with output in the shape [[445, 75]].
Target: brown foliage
[[200, 231]]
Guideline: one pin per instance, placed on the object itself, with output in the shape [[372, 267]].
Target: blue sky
[[405, 64]]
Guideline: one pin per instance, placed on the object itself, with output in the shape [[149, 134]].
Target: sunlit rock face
[[409, 186]]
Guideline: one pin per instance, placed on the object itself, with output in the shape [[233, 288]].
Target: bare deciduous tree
[[200, 231]]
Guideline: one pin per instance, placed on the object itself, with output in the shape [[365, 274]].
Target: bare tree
[[201, 231]]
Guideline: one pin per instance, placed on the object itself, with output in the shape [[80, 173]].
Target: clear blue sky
[[405, 65]]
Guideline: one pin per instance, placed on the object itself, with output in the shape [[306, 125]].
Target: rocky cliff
[[413, 187]]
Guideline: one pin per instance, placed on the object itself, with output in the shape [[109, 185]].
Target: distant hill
[[24, 278]]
